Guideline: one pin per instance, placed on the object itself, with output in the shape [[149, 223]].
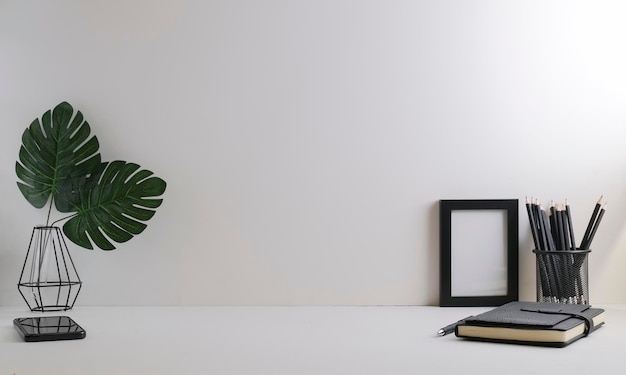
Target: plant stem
[[63, 218], [49, 210]]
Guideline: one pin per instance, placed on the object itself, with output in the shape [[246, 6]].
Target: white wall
[[306, 143]]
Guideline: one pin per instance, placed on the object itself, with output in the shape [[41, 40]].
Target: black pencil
[[553, 223], [533, 223], [592, 220], [540, 227], [587, 243], [569, 225], [553, 261], [561, 229], [546, 229], [565, 229], [540, 240]]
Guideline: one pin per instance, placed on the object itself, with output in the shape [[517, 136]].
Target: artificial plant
[[60, 166]]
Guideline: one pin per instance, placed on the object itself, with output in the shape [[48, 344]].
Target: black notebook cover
[[534, 323]]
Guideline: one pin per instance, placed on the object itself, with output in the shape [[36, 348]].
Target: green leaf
[[113, 208], [55, 150], [59, 162]]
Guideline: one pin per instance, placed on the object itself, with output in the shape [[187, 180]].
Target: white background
[[306, 144]]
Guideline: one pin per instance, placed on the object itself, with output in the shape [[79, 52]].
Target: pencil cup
[[562, 276]]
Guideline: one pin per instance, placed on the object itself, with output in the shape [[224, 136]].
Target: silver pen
[[450, 327]]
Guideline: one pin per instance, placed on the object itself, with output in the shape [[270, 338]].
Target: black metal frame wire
[[42, 291]]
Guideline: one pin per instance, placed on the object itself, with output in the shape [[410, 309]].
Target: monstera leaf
[[123, 197], [59, 163], [54, 150]]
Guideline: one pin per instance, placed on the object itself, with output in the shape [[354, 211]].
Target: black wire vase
[[49, 281]]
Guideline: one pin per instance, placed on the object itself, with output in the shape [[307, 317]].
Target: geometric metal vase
[[49, 281]]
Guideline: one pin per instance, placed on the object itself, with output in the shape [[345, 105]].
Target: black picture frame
[[508, 253]]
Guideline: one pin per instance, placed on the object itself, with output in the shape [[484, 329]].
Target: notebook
[[533, 323]]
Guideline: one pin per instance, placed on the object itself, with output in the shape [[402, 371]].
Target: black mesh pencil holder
[[562, 276]]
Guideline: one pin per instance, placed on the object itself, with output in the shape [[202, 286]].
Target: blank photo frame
[[478, 252]]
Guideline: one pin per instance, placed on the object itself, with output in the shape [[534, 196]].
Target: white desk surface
[[294, 340]]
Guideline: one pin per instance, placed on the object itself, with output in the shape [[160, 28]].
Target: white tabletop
[[293, 340]]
